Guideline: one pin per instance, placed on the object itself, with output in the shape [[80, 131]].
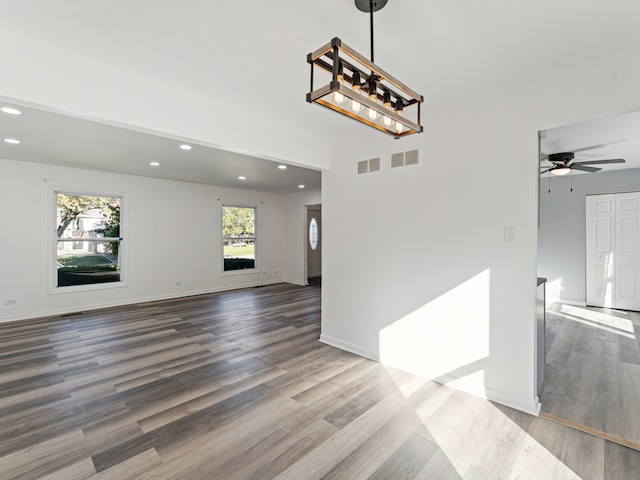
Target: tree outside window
[[239, 237]]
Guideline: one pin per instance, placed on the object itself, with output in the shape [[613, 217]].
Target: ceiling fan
[[563, 163]]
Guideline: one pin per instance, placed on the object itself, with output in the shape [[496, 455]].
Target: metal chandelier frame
[[375, 97]]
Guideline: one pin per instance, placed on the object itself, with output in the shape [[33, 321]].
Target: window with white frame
[[88, 238], [239, 237]]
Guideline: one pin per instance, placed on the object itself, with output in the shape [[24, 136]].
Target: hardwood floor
[[592, 370], [236, 385]]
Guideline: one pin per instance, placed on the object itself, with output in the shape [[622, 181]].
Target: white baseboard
[[491, 394], [349, 347], [132, 301], [569, 302]]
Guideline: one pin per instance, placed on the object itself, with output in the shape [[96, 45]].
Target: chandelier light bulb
[[372, 114], [399, 127], [386, 99], [355, 105], [337, 96], [386, 121], [399, 106], [373, 96]]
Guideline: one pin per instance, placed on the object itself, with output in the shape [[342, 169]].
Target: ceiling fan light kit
[[359, 89]]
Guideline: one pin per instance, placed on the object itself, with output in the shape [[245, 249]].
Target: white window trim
[[258, 243], [52, 256]]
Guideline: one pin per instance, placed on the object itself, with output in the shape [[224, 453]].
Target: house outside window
[[239, 244], [88, 239]]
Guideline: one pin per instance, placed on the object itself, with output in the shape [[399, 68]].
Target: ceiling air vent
[[374, 164], [363, 166]]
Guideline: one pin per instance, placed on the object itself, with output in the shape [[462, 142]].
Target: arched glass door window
[[313, 234]]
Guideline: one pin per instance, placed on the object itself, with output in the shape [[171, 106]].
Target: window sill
[[87, 288], [243, 271]]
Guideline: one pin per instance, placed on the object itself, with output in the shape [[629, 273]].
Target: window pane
[[238, 237], [83, 262], [83, 225], [82, 216]]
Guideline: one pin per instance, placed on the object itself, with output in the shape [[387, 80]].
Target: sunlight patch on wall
[[443, 338], [554, 289]]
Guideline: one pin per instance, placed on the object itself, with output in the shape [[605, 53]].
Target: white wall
[[561, 238], [296, 234], [174, 232], [417, 272]]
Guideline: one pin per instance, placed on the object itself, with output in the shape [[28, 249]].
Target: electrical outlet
[[178, 283], [9, 301]]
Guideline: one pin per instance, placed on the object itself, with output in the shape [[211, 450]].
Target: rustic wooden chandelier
[[360, 89]]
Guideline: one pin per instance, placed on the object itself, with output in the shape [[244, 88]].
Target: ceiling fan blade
[[547, 170], [583, 149], [585, 169], [596, 162]]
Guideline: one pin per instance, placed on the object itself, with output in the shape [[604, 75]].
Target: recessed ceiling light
[[154, 164], [12, 140], [242, 178], [184, 146], [11, 111], [300, 186], [282, 167]]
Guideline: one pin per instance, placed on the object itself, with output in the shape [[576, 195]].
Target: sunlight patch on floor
[[602, 321]]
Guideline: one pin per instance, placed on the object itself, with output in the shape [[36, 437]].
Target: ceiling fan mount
[[561, 158]]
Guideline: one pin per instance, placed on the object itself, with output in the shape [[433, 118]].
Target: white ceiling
[[67, 141], [610, 137], [252, 54]]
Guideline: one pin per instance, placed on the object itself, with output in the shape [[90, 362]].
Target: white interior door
[[613, 250], [627, 255], [314, 243], [600, 246]]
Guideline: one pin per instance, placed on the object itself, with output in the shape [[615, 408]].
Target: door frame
[[316, 206]]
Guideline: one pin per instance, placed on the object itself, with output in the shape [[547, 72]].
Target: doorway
[[592, 355], [313, 241]]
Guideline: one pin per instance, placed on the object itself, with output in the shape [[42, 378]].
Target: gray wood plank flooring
[[236, 385], [592, 369]]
